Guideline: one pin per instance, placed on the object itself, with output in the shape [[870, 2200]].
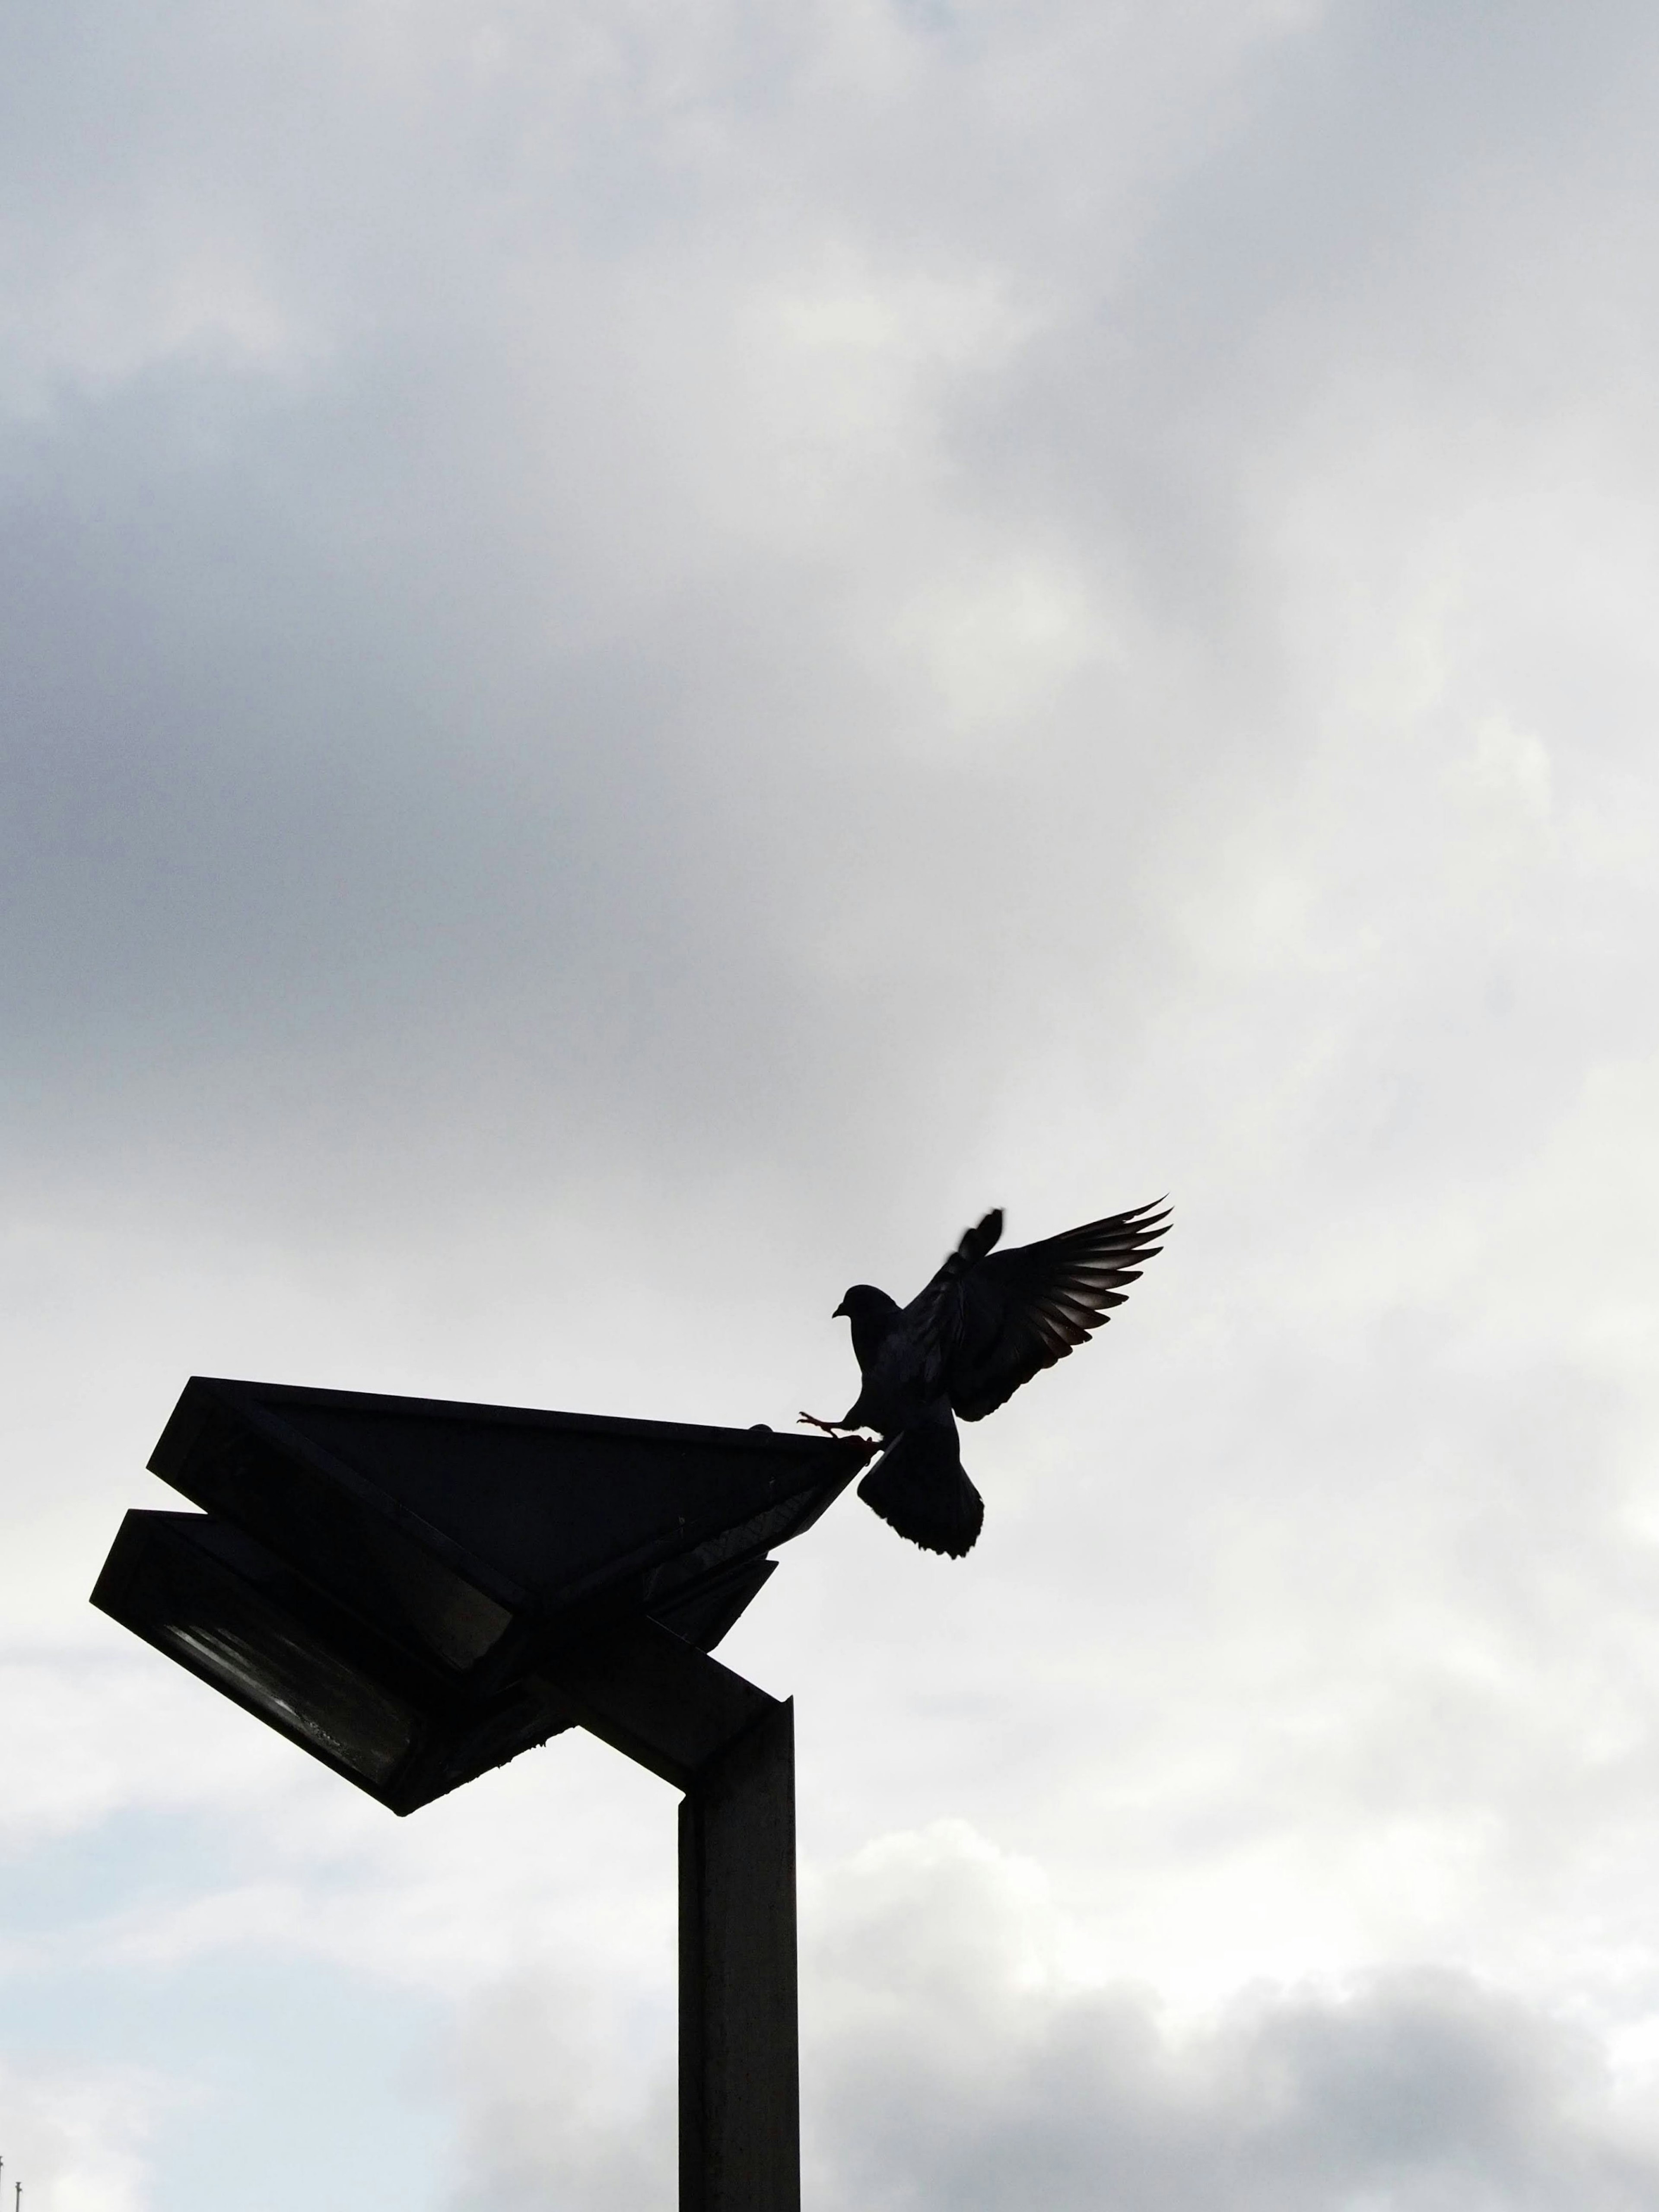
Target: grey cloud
[[1423, 2094], [451, 664], [948, 2063], [560, 2102]]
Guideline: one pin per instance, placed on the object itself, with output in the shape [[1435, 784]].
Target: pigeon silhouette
[[988, 1321]]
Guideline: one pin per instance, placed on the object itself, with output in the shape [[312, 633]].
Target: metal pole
[[732, 1749], [739, 2063]]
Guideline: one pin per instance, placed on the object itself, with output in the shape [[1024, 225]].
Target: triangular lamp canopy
[[379, 1577]]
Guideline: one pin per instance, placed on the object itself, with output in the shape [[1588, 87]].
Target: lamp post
[[415, 1591]]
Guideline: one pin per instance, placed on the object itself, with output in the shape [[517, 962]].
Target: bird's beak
[[840, 1314]]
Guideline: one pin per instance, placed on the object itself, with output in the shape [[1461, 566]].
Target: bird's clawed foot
[[830, 1428]]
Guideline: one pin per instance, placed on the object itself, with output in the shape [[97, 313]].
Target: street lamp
[[416, 1592]]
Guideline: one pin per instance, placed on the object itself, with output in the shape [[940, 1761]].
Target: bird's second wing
[[1024, 1309]]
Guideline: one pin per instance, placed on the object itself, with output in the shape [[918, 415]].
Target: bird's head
[[870, 1311]]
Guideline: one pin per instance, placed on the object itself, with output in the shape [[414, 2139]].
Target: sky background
[[647, 656]]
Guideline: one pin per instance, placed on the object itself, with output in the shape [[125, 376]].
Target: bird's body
[[987, 1323]]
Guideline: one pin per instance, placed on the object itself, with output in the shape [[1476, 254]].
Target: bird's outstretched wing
[[1022, 1310]]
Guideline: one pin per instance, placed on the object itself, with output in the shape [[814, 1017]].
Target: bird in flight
[[988, 1321]]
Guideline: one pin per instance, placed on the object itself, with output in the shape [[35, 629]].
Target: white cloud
[[77, 2138]]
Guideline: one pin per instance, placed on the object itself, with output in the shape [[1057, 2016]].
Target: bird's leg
[[830, 1428]]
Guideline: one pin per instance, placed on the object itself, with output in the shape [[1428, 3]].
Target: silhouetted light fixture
[[416, 1592]]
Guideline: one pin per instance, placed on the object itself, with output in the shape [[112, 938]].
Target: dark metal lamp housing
[[385, 1580]]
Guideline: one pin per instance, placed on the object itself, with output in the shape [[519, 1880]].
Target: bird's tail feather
[[918, 1488]]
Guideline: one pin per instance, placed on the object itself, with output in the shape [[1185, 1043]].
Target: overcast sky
[[647, 656]]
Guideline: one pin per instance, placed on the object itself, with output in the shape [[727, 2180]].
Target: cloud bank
[[950, 2063]]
